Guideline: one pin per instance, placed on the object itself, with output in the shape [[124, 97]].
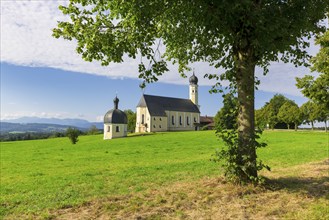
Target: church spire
[[194, 89], [116, 102], [193, 79]]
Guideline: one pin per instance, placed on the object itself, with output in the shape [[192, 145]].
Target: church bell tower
[[194, 90]]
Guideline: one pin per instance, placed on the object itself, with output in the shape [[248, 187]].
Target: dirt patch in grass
[[300, 192]]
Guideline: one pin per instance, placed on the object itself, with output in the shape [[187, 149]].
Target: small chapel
[[115, 122], [158, 113]]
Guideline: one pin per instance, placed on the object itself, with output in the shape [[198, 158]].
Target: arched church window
[[173, 120], [180, 120], [117, 129], [187, 121], [143, 118], [108, 128]]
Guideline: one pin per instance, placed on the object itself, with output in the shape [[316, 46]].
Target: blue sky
[[42, 76], [49, 92]]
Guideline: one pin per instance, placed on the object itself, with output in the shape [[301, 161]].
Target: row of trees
[[311, 112], [23, 136], [281, 112]]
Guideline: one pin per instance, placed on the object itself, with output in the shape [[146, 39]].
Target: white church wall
[[114, 130], [158, 123], [142, 119], [148, 121], [182, 121]]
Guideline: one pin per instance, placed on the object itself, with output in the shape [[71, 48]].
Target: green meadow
[[42, 175]]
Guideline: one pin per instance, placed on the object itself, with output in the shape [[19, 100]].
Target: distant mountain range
[[7, 127], [35, 124]]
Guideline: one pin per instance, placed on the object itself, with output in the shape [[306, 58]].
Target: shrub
[[73, 134]]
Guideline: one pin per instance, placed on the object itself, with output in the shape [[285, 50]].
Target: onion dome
[[193, 80], [115, 116]]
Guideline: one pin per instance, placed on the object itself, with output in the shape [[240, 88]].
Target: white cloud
[[281, 78], [26, 40], [26, 29], [61, 115], [41, 114]]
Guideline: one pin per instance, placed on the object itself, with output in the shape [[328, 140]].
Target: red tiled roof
[[206, 119]]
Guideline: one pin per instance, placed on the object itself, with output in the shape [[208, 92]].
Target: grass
[[213, 198], [288, 148], [43, 176]]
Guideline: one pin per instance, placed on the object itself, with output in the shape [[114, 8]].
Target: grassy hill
[[43, 176]]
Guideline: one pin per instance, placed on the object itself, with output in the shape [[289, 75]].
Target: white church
[[115, 122], [157, 113]]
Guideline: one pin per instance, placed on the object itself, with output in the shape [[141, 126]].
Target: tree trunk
[[325, 125], [288, 126], [312, 125], [296, 126], [245, 78]]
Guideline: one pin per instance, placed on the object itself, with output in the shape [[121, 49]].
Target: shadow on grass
[[309, 186], [313, 185], [311, 180]]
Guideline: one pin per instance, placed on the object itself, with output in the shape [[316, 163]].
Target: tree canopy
[[318, 89], [315, 89], [131, 116], [226, 117], [211, 31], [320, 62], [308, 112], [289, 113], [235, 35], [268, 114]]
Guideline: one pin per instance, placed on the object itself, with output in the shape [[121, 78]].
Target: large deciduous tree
[[236, 35]]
